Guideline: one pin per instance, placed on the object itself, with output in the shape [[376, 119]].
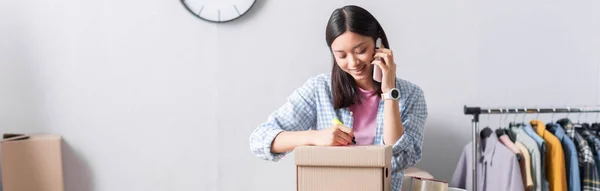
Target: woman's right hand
[[336, 135]]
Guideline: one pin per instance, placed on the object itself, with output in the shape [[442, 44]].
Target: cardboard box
[[32, 162], [348, 168], [423, 184]]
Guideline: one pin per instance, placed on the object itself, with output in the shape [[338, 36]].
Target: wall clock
[[218, 11]]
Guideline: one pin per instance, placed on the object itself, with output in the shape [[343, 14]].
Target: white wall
[[148, 97]]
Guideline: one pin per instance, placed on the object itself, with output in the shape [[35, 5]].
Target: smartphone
[[377, 74]]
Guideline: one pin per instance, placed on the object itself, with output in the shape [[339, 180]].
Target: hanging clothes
[[571, 158], [498, 168], [508, 143], [594, 142], [587, 166], [555, 158], [534, 151], [542, 145], [525, 165], [595, 129]]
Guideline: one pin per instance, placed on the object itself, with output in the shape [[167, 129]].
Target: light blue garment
[[542, 144], [534, 152], [539, 140], [311, 107], [571, 157]]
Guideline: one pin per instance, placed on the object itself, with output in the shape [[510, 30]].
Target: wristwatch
[[393, 94]]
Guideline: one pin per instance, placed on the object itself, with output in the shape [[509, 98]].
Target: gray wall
[[148, 97]]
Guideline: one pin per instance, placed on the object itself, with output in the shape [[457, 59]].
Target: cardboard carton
[[32, 162], [424, 184], [348, 168]]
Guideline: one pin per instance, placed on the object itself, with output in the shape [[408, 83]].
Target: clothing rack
[[476, 111]]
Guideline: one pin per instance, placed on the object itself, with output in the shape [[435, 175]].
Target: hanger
[[596, 125], [514, 122], [577, 125], [585, 124], [506, 117], [485, 133], [504, 131], [500, 118], [553, 112], [512, 136], [523, 121], [500, 132], [488, 119], [537, 115]]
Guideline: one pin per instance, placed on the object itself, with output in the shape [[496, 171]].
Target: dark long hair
[[358, 20]]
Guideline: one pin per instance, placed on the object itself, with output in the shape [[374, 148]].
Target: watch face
[[395, 93]]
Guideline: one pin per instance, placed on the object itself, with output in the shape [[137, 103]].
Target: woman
[[392, 112]]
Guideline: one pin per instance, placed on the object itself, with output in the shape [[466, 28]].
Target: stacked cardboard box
[[31, 162], [348, 168]]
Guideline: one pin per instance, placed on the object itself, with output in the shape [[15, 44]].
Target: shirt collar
[[487, 148], [538, 126], [517, 130], [565, 122], [558, 131], [527, 128]]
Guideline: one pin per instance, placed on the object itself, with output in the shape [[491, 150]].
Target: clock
[[218, 11]]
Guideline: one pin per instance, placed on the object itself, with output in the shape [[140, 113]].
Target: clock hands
[[236, 10], [201, 8]]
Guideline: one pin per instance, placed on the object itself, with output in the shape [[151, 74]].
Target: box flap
[[354, 155], [33, 137], [13, 137]]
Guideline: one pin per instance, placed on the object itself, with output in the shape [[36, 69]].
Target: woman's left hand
[[385, 60]]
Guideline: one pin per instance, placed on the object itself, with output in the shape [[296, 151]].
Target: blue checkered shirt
[[311, 107]]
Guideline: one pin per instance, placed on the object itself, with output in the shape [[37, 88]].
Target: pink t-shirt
[[365, 115]]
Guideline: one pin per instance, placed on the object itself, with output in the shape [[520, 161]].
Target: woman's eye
[[362, 51], [342, 57]]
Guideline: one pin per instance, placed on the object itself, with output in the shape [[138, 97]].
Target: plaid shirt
[[587, 166], [594, 143], [311, 107]]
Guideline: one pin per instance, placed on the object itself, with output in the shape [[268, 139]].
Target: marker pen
[[336, 121]]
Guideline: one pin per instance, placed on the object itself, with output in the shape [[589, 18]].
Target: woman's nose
[[353, 61]]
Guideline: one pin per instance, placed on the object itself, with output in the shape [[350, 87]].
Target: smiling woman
[[390, 112], [218, 11]]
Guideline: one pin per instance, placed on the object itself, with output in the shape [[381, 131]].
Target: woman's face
[[354, 54]]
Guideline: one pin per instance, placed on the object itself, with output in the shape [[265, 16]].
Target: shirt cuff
[[269, 138], [400, 145]]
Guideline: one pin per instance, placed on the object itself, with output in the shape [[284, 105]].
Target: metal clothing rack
[[476, 111]]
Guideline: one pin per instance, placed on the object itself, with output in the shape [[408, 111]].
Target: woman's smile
[[359, 71]]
